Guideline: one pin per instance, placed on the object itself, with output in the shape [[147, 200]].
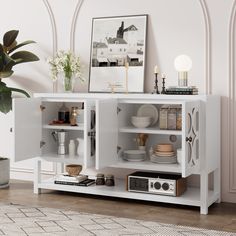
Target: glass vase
[[68, 82]]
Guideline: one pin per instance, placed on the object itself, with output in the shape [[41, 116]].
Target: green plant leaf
[[24, 56], [1, 49], [19, 91], [5, 98], [7, 59], [6, 74], [7, 49], [10, 37], [21, 45]]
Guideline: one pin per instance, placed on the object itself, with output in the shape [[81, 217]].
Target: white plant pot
[[4, 172]]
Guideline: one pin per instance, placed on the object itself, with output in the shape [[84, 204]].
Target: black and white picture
[[118, 54]]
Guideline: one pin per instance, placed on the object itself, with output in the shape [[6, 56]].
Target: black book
[[86, 182], [181, 93]]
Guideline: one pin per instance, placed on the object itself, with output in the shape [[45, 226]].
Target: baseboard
[[28, 175]]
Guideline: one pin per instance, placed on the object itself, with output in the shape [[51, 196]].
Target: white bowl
[[141, 121]]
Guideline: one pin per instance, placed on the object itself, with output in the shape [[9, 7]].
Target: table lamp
[[183, 64]]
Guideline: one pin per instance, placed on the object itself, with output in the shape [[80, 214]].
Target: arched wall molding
[[54, 43], [231, 101], [207, 23], [208, 78], [73, 25], [53, 26]]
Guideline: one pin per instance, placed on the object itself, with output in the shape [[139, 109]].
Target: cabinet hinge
[[118, 110], [42, 143], [118, 149], [92, 133], [42, 108]]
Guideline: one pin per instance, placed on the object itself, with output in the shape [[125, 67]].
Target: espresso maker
[[61, 138]]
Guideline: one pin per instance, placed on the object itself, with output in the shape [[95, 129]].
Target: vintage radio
[[156, 183]]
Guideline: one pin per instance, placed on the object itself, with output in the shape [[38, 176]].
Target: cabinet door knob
[[11, 129], [189, 139]]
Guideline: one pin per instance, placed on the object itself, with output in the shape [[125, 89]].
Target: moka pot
[[61, 138]]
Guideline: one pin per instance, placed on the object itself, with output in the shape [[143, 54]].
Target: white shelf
[[65, 127], [52, 157], [148, 165], [190, 197], [149, 130]]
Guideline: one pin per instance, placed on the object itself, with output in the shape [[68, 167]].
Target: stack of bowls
[[141, 121]]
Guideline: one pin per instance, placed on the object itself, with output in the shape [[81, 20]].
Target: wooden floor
[[221, 216]]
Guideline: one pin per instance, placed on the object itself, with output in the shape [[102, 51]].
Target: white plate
[[133, 160], [163, 160], [148, 110], [135, 152]]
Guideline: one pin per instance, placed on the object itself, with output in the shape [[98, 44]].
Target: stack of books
[[80, 180], [176, 90]]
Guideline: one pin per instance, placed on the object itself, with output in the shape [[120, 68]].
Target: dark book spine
[[181, 93], [66, 183]]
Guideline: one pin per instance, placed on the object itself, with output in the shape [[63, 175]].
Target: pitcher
[[60, 137]]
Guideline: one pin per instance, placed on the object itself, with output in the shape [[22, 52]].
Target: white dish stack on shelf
[[163, 154], [134, 155]]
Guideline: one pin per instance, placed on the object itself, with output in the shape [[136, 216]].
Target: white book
[[67, 178]]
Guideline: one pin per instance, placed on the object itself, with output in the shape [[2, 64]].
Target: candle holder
[[163, 91], [156, 91]]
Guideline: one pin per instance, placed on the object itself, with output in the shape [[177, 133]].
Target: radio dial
[[165, 186], [157, 185]]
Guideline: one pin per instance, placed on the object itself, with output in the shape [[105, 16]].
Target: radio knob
[[157, 185], [165, 186]]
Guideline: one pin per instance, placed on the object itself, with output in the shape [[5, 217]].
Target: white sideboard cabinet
[[110, 133]]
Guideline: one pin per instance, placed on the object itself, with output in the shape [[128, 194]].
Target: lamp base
[[183, 79]]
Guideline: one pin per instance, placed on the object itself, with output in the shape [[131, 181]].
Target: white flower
[[67, 63]]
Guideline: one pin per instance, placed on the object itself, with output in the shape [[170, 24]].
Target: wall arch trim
[[231, 101], [207, 24]]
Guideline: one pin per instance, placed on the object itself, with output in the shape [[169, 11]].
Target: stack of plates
[[164, 153], [134, 155]]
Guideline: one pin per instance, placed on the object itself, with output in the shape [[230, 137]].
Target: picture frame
[[118, 54]]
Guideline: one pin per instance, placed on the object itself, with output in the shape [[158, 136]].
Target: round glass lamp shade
[[183, 64]]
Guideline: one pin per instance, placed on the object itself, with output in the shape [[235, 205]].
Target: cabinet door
[[106, 132], [190, 139], [27, 131]]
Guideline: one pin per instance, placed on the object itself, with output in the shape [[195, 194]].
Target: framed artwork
[[117, 60]]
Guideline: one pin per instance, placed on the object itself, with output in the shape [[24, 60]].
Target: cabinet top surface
[[139, 96]]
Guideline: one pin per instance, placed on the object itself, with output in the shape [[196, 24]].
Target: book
[[68, 178], [86, 182], [181, 89], [181, 93]]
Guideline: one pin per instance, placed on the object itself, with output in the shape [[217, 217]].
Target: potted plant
[[4, 172], [8, 59]]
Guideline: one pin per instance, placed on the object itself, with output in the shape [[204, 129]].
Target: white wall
[[198, 28]]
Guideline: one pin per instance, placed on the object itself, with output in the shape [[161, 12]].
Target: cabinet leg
[[204, 193], [204, 210], [37, 176], [217, 181]]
